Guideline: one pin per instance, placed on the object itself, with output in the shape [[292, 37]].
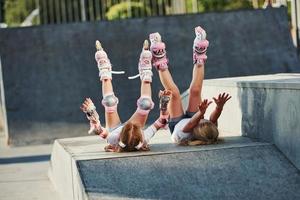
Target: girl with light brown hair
[[190, 127], [128, 136]]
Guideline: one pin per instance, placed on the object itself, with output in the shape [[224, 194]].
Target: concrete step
[[237, 168], [264, 107]]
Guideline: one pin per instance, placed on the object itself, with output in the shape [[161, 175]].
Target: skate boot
[[200, 46], [104, 65], [145, 67], [158, 50]]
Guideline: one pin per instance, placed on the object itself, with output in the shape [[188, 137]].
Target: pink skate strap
[[201, 46], [160, 63]]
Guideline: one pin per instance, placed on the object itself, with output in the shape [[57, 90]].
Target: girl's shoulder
[[182, 123]]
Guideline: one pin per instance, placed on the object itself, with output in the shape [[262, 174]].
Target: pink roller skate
[[200, 46], [145, 67], [89, 109], [158, 50], [104, 65]]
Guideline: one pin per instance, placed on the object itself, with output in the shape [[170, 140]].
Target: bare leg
[[110, 101], [200, 46], [160, 62], [112, 119], [144, 104], [137, 118], [175, 107], [196, 88]]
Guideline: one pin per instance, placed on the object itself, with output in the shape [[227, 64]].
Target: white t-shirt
[[178, 135], [113, 137]]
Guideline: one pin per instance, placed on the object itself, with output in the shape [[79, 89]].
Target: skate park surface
[[258, 159]]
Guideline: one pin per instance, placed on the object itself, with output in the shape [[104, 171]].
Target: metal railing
[[64, 11], [35, 12]]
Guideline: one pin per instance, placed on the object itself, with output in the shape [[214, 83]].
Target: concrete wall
[[262, 107], [49, 70]]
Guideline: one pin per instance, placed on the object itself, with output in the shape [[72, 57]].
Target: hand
[[87, 105], [204, 105], [221, 99]]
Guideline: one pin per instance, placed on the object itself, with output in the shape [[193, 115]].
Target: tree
[[17, 10]]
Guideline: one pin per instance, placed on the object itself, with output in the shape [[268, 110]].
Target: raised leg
[[195, 88], [109, 101], [144, 103], [199, 57], [160, 62], [175, 107]]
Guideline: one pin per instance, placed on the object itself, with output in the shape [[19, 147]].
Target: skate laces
[[145, 67], [103, 61]]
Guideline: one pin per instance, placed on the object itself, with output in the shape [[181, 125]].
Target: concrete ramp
[[259, 172], [47, 67], [238, 168]]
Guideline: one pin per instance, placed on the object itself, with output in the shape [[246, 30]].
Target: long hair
[[131, 136], [204, 133]]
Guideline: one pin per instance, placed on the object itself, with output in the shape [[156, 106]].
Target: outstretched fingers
[[204, 105], [227, 97], [221, 99]]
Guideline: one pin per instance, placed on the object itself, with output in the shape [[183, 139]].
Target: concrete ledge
[[66, 153], [263, 107]]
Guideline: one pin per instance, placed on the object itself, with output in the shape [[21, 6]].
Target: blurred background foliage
[[65, 11], [127, 10]]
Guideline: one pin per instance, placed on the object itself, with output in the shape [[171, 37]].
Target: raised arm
[[197, 116], [220, 101]]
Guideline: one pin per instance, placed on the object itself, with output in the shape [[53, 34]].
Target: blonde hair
[[204, 133], [131, 136]]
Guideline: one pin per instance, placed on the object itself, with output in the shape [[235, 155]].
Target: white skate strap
[[107, 67], [140, 74], [118, 72], [134, 77]]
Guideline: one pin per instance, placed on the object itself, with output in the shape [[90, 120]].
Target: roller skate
[[104, 65], [158, 50], [145, 67], [200, 46]]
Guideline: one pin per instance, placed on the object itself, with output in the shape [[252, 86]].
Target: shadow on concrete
[[25, 159]]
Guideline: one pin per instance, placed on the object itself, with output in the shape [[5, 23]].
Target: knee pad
[[110, 102], [144, 105]]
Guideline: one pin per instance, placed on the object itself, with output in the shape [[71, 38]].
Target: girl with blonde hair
[[189, 127]]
